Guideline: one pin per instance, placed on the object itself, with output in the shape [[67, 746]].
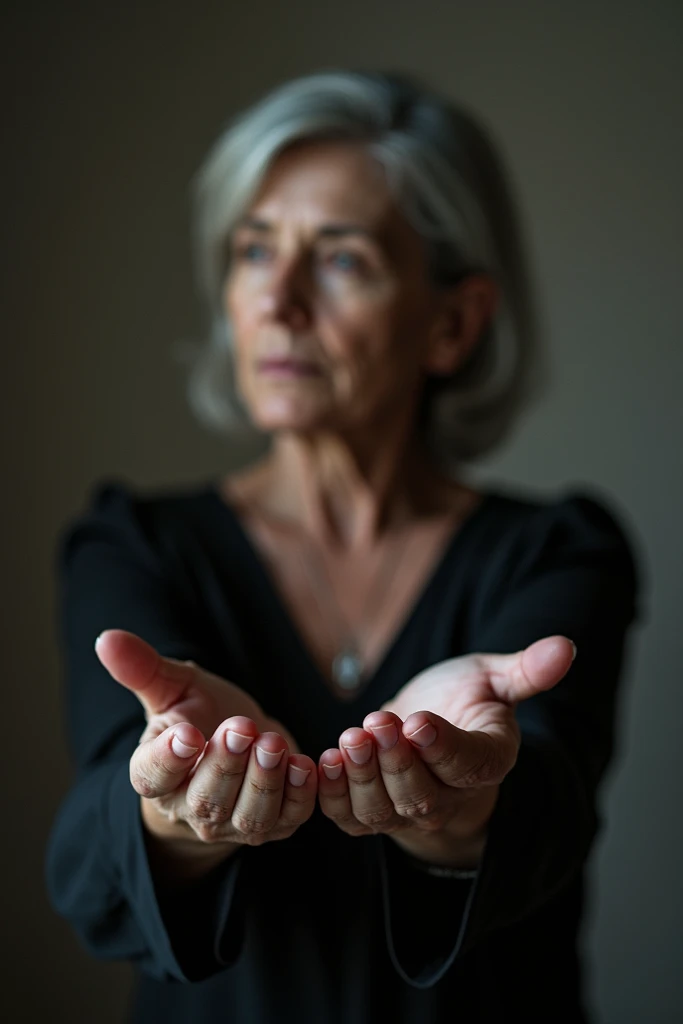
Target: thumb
[[541, 665], [157, 682]]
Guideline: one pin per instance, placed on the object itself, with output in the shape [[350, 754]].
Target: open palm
[[174, 691], [478, 693]]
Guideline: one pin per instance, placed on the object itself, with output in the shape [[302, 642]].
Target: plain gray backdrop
[[112, 108]]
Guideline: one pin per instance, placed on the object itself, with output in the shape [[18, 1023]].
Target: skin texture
[[326, 273]]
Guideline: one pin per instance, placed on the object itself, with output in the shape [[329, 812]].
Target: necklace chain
[[347, 666]]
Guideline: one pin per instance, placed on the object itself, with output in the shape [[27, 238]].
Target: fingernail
[[361, 753], [181, 749], [268, 760], [574, 646], [236, 742], [297, 776], [424, 735], [386, 735], [333, 771]]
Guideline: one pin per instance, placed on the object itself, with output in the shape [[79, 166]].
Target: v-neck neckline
[[287, 622]]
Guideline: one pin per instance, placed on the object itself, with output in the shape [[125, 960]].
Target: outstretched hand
[[210, 765], [426, 768]]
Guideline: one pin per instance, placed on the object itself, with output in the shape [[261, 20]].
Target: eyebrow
[[325, 231]]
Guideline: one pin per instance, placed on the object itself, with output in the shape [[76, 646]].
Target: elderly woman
[[336, 760]]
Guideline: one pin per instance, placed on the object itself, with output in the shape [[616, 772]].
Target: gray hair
[[449, 182]]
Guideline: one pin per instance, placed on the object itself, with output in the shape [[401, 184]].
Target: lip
[[284, 367]]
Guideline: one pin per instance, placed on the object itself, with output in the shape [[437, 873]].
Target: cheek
[[240, 306], [359, 327], [369, 340], [378, 342], [241, 311]]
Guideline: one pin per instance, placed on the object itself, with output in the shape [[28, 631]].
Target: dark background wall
[[111, 109]]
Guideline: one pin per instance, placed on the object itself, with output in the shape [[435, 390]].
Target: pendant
[[347, 669]]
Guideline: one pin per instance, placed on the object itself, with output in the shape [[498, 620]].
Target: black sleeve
[[112, 573], [568, 569]]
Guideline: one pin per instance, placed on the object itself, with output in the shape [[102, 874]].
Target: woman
[[335, 758]]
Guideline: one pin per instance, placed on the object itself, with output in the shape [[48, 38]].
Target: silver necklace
[[347, 666]]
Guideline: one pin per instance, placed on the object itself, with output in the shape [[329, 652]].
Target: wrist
[[175, 854], [461, 842], [442, 852]]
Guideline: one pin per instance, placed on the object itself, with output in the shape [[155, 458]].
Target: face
[[329, 297]]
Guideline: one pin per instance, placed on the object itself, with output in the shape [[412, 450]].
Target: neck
[[347, 492]]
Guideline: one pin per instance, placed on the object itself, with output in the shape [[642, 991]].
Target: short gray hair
[[448, 180]]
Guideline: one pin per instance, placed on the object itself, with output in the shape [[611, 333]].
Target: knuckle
[[491, 766], [260, 788], [208, 831], [375, 817], [221, 771], [448, 763], [487, 770], [143, 784], [148, 772], [420, 807], [458, 775], [364, 782], [156, 767], [397, 769], [250, 827], [207, 810]]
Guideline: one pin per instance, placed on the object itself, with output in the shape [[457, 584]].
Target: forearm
[[99, 879]]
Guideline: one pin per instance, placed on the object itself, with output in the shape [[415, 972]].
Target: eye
[[347, 261], [252, 252]]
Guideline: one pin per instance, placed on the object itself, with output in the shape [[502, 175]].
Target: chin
[[278, 417]]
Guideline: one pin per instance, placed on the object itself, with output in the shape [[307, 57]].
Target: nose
[[286, 297]]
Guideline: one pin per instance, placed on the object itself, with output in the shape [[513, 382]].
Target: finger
[[459, 757], [298, 801], [331, 766], [516, 677], [370, 802], [412, 788], [215, 786], [273, 725], [333, 794], [259, 803], [160, 765], [157, 682]]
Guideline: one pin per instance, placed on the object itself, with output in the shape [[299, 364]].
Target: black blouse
[[323, 928]]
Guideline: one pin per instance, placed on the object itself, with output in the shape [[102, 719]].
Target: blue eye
[[347, 260], [255, 252], [246, 252]]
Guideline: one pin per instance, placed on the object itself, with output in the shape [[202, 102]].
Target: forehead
[[314, 183]]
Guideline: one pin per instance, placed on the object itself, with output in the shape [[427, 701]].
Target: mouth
[[284, 367]]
